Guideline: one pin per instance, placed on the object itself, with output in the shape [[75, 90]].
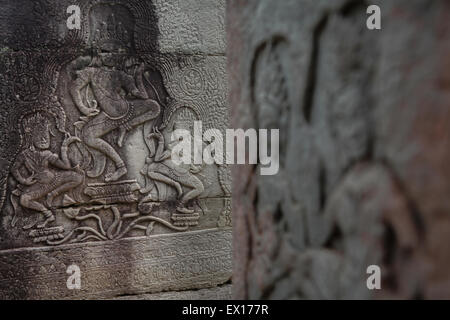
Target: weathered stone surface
[[219, 293], [364, 131], [192, 26], [86, 168], [127, 266]]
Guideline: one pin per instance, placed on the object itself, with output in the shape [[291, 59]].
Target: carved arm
[[161, 155], [75, 91], [64, 162], [130, 84], [18, 176]]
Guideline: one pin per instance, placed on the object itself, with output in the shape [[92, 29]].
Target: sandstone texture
[[87, 172], [219, 293], [364, 133]]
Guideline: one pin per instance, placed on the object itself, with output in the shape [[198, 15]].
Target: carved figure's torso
[[37, 163], [107, 86]]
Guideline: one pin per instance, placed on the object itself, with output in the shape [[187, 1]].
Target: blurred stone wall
[[364, 125]]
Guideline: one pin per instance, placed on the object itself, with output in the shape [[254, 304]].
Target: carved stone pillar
[[364, 159], [87, 176]]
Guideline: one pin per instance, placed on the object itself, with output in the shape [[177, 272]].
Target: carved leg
[[116, 175], [28, 200], [69, 180], [123, 129], [196, 189], [148, 186], [196, 185], [162, 178], [153, 111], [49, 217], [92, 136], [182, 209], [122, 133], [106, 149], [99, 164], [148, 198]]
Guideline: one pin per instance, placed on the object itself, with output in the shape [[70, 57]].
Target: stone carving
[[37, 189], [86, 174], [113, 99], [160, 168], [361, 181], [108, 95], [26, 87], [198, 259], [297, 238]]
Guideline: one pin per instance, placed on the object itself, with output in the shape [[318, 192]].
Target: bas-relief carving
[[341, 202], [309, 234], [94, 158], [182, 261]]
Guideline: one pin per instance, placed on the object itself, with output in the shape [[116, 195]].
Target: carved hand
[[156, 134], [83, 109], [29, 181], [70, 140], [65, 164], [92, 112], [195, 169]]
